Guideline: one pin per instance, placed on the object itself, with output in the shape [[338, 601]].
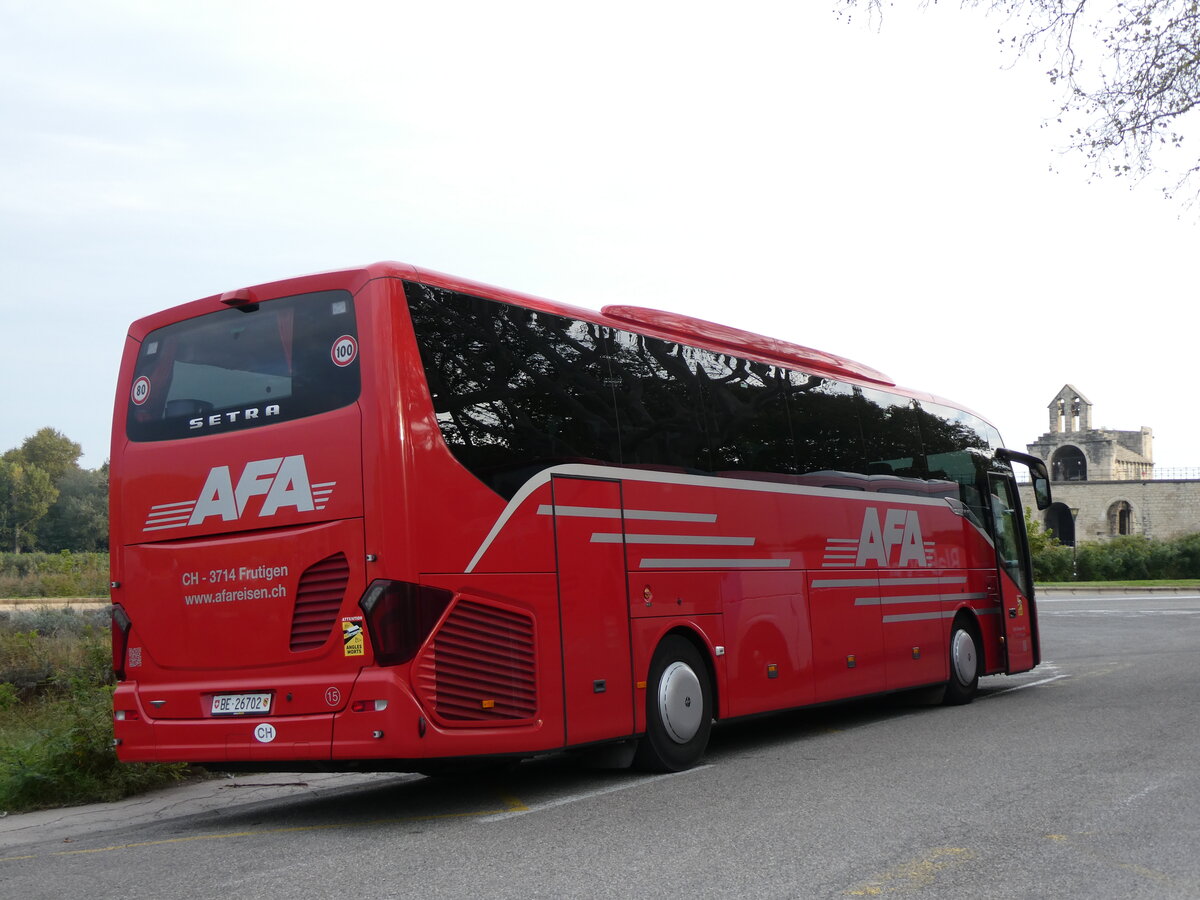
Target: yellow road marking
[[1141, 871], [914, 874]]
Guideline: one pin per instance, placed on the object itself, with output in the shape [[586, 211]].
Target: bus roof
[[675, 326], [652, 322]]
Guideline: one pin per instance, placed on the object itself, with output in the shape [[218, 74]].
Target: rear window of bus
[[246, 367]]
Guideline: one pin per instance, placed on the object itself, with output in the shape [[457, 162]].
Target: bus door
[[593, 609], [1016, 588]]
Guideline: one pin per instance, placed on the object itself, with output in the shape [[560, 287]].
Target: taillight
[[400, 616], [121, 626], [368, 706]]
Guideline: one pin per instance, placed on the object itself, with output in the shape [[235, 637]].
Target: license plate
[[241, 704]]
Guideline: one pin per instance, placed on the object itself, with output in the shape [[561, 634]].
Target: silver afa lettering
[[281, 482], [899, 528]]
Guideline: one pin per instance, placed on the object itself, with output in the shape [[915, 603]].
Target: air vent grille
[[318, 602], [479, 667]]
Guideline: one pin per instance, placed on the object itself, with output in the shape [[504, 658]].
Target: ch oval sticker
[[264, 733]]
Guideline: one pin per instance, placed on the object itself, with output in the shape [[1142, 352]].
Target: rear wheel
[[678, 708], [965, 661]]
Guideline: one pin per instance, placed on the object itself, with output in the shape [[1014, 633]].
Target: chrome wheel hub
[[680, 702], [962, 657]]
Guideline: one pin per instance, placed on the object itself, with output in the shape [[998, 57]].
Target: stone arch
[[1061, 523], [1121, 518], [1068, 464]]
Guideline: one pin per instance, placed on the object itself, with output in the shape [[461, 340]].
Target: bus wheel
[[678, 708], [964, 665]]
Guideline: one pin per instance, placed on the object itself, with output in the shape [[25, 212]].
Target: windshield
[[245, 367]]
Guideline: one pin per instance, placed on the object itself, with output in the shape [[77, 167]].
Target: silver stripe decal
[[693, 539], [642, 515], [583, 512], [893, 600], [884, 579], [715, 563], [898, 580], [919, 617], [612, 473]]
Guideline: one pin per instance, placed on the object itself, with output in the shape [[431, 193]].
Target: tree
[[51, 451], [47, 500], [1051, 560], [78, 520], [1124, 111], [26, 494]]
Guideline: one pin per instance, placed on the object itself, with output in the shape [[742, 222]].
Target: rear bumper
[[381, 720]]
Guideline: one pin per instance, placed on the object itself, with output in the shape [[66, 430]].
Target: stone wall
[[1160, 509]]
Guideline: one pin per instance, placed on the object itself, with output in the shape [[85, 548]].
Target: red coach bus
[[386, 518]]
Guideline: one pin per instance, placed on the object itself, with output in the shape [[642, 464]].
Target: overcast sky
[[888, 194]]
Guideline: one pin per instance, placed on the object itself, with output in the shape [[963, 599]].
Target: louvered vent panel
[[318, 601], [479, 667]]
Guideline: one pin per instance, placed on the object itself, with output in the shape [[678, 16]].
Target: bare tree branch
[[1141, 80]]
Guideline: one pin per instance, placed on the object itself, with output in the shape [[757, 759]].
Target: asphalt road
[[1078, 779]]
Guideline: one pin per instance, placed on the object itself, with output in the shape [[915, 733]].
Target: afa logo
[[281, 482], [893, 540], [900, 531]]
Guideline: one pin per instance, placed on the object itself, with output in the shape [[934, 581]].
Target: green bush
[[1053, 563], [1138, 558], [56, 718], [1051, 560], [54, 574]]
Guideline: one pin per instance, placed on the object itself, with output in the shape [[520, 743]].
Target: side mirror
[[1037, 473]]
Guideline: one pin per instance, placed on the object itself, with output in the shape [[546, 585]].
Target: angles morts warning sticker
[[352, 636]]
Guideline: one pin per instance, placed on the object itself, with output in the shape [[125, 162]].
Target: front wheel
[[678, 708], [964, 666]]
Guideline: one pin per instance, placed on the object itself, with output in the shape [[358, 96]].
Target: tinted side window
[[825, 424], [660, 411], [746, 403], [514, 390], [891, 436]]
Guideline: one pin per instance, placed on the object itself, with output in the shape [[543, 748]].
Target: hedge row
[[1128, 558], [63, 574]]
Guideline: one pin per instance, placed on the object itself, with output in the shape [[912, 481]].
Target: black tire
[[679, 708], [965, 662]]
